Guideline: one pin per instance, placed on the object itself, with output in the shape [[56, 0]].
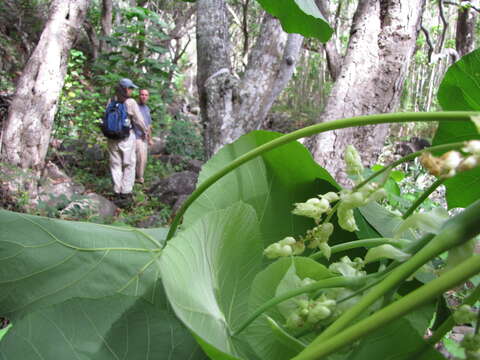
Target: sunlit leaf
[[299, 16], [47, 261], [271, 183], [208, 270], [460, 90]]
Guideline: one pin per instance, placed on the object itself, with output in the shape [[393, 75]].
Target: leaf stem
[[338, 281], [456, 231], [393, 311], [409, 157], [367, 243], [311, 130], [422, 198]]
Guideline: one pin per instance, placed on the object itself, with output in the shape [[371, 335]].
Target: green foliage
[[83, 290], [137, 53], [264, 183], [80, 110], [184, 138], [457, 91]]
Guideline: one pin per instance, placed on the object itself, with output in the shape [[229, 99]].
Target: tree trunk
[[382, 42], [465, 30], [231, 106], [26, 132], [332, 54], [107, 11]]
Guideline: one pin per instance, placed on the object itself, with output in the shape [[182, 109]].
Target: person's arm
[[136, 115]]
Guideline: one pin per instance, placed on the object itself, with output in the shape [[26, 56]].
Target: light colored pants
[[142, 154], [122, 163]]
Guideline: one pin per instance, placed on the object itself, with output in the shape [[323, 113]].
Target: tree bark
[[332, 54], [382, 42], [231, 106], [107, 11], [465, 33], [26, 132]]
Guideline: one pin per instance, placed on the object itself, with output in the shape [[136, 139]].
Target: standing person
[[143, 139], [122, 152]]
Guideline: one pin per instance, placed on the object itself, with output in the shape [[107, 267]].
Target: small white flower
[[451, 160], [469, 163], [472, 147], [330, 196]]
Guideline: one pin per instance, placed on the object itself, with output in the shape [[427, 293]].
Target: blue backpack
[[116, 124]]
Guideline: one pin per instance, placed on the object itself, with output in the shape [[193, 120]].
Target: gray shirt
[[145, 110]]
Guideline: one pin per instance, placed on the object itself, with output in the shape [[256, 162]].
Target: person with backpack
[[143, 139], [122, 112]]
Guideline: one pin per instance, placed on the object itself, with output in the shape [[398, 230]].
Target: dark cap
[[127, 83]]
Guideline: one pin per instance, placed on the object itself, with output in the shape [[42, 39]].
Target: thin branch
[[460, 5], [445, 26], [429, 43]]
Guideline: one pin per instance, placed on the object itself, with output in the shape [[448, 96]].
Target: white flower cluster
[[286, 247], [309, 312], [347, 267], [350, 200], [353, 162], [315, 207], [453, 161], [318, 238]]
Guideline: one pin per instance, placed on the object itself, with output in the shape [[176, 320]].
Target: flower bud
[[295, 321], [330, 196], [451, 160], [353, 161], [298, 248], [272, 251], [353, 200], [346, 219], [472, 147], [468, 163], [285, 250], [288, 241], [317, 313]]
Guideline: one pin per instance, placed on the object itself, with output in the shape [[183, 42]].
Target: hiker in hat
[[122, 151], [143, 139]]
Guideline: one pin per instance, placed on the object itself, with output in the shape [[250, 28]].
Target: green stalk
[[367, 243], [423, 197], [409, 157], [338, 281], [394, 311], [311, 130], [457, 230]]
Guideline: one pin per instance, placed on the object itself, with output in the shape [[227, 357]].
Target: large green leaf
[[299, 16], [111, 328], [271, 183], [45, 261], [461, 85], [265, 287], [207, 271], [463, 189], [460, 90], [382, 220]]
